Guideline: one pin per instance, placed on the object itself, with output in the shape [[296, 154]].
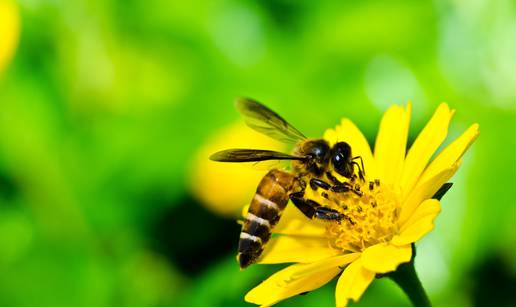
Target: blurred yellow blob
[[225, 187], [9, 31]]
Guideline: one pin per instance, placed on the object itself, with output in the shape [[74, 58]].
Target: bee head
[[341, 159]]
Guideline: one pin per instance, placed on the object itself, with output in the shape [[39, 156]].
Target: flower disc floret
[[371, 212]]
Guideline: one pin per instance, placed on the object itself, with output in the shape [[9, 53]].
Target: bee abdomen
[[257, 226], [255, 233], [264, 212]]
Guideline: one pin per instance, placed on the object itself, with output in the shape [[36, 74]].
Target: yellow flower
[[9, 31], [386, 214]]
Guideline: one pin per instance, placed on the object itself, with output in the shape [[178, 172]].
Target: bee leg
[[361, 168], [333, 179], [360, 172], [307, 207], [317, 183], [328, 214], [341, 188], [356, 190], [312, 209]]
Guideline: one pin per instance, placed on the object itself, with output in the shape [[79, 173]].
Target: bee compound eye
[[338, 160], [343, 149], [341, 154]]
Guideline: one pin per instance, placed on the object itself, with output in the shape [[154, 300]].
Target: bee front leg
[[312, 209], [361, 168]]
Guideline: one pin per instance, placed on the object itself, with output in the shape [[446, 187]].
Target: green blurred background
[[106, 104]]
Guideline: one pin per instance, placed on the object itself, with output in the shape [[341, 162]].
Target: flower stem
[[406, 278]]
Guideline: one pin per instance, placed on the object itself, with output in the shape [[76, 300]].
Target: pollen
[[370, 210]]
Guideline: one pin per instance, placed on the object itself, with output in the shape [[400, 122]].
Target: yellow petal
[[9, 31], [349, 133], [330, 135], [325, 264], [425, 191], [391, 143], [425, 145], [293, 222], [452, 153], [244, 210], [419, 224], [283, 249], [281, 286], [352, 283], [384, 257]]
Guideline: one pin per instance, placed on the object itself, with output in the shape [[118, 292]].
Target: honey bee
[[312, 161]]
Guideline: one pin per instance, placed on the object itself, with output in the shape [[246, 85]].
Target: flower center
[[371, 210]]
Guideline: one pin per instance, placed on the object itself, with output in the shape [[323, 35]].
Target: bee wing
[[251, 155], [262, 166], [266, 121], [268, 165]]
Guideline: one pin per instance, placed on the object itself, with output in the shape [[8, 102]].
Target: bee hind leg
[[312, 209]]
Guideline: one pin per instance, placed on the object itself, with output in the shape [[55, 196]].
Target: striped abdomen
[[272, 195]]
